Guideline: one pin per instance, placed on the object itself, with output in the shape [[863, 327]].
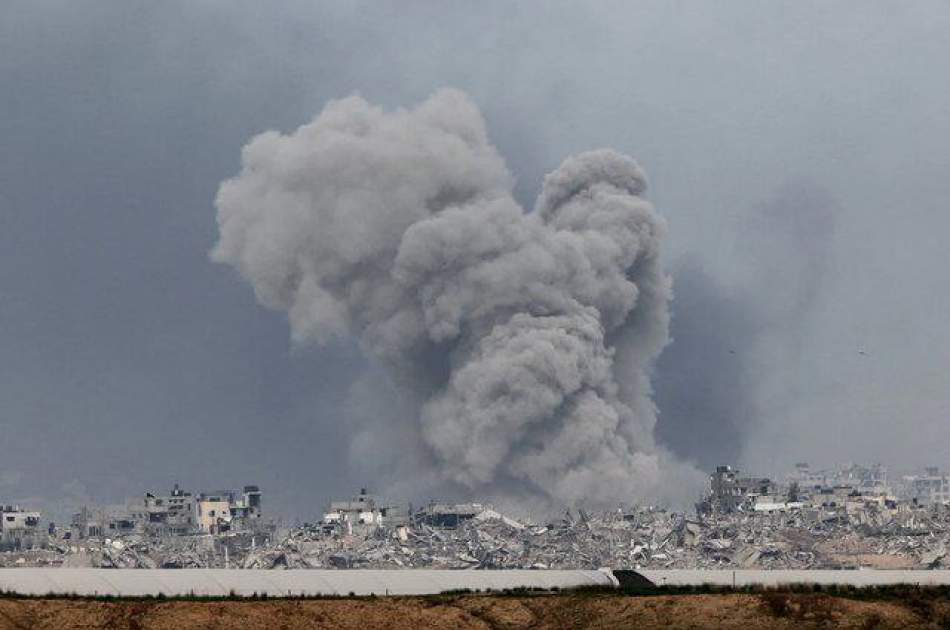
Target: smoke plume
[[526, 339]]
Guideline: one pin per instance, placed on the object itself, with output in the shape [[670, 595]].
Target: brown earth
[[746, 612]]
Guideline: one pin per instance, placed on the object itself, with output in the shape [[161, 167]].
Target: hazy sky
[[799, 151]]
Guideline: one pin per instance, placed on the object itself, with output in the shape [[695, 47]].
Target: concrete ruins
[[19, 528], [848, 517], [177, 513]]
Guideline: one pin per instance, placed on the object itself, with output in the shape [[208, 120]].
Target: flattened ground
[[741, 612]]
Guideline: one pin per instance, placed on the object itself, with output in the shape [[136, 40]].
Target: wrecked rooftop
[[643, 537], [814, 520]]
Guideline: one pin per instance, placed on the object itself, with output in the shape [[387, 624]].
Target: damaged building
[[20, 528], [173, 513], [730, 492], [449, 515], [930, 488], [847, 519], [220, 512], [365, 511], [178, 513]]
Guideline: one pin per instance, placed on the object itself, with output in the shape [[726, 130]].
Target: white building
[[775, 503], [19, 527], [365, 510], [930, 488]]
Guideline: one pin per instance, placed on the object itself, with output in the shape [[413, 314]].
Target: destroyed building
[[178, 513], [213, 512], [365, 510], [109, 520], [749, 522], [173, 513], [771, 503], [85, 523], [804, 476], [225, 511], [930, 488], [449, 515], [20, 528], [866, 479], [730, 492], [358, 510], [869, 480], [246, 512], [861, 533], [834, 496]]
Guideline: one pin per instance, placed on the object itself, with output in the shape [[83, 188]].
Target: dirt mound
[[745, 612]]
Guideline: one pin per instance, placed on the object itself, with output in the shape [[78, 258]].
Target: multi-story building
[[930, 488], [108, 520], [815, 486], [730, 492], [834, 497], [85, 523], [365, 510], [213, 512], [806, 477], [220, 512], [871, 479], [176, 513], [246, 512], [20, 528], [173, 513]]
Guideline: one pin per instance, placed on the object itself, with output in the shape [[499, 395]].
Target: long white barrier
[[744, 577], [310, 582]]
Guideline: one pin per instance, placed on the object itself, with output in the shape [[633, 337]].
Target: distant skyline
[[796, 149]]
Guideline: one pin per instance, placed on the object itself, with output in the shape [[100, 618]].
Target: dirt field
[[746, 612]]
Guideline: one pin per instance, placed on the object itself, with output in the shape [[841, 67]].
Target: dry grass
[[739, 611]]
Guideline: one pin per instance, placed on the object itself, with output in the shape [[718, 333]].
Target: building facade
[[20, 528], [731, 492]]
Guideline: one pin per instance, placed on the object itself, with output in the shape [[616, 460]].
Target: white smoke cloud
[[526, 338]]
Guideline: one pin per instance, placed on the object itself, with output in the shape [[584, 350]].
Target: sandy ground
[[747, 612]]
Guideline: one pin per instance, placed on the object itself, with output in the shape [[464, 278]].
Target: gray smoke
[[525, 340]]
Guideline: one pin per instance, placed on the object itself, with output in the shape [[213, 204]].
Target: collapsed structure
[[365, 511], [19, 528], [841, 518], [743, 522]]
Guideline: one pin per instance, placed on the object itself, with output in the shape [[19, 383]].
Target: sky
[[798, 151]]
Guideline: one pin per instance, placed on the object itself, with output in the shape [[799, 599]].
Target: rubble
[[644, 538], [804, 526]]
